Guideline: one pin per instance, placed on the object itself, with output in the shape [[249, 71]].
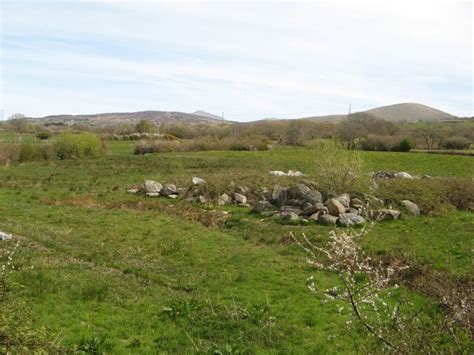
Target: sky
[[248, 60]]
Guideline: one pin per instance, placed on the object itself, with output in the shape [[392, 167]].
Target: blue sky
[[249, 60]]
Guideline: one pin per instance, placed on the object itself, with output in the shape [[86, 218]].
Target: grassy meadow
[[100, 270]]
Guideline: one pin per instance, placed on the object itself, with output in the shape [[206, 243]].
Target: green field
[[99, 268]]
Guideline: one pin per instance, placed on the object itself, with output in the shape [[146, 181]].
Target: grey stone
[[335, 208], [350, 220], [290, 216], [240, 198], [202, 199], [344, 199], [173, 196], [411, 207], [294, 202], [169, 189], [152, 194], [5, 236], [279, 195], [133, 191], [198, 181], [327, 219], [352, 210], [298, 191], [315, 216], [263, 206], [320, 206], [313, 197], [386, 214], [308, 211], [223, 199], [243, 190], [150, 186], [292, 209]]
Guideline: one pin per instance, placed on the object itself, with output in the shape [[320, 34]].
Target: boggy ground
[[101, 269]]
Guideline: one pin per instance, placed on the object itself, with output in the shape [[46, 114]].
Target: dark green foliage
[[405, 145], [44, 135]]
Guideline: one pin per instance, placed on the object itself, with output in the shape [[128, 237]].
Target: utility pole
[[222, 116], [350, 109]]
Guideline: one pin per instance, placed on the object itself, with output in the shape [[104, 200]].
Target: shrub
[[340, 170], [380, 143], [405, 145], [456, 142], [78, 146], [145, 126], [43, 135]]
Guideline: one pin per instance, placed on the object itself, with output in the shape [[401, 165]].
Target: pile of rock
[[299, 203], [303, 203]]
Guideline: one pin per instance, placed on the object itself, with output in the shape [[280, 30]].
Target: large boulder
[[150, 186], [278, 196], [327, 219], [350, 220], [313, 197], [335, 208], [297, 192], [411, 207], [344, 199], [289, 216], [169, 189], [386, 214], [309, 210]]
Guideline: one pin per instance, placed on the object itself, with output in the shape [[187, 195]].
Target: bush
[[379, 143], [78, 146], [405, 145], [386, 143], [456, 142], [340, 170], [43, 135]]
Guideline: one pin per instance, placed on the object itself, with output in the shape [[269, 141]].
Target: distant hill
[[409, 112], [133, 117], [399, 112], [207, 114]]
